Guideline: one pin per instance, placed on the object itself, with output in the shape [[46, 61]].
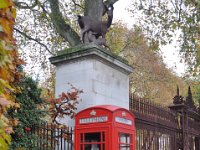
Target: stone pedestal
[[102, 76]]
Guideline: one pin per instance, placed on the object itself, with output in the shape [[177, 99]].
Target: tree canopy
[[45, 27], [162, 20], [151, 79], [54, 26]]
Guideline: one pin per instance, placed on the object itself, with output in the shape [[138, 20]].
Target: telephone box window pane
[[92, 137], [124, 141], [124, 147], [125, 138], [92, 147], [128, 139]]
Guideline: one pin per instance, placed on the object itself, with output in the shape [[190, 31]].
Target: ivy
[[9, 75]]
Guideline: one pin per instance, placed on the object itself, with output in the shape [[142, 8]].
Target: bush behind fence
[[52, 137]]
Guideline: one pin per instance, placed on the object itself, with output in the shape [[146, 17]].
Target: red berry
[[28, 129], [19, 135]]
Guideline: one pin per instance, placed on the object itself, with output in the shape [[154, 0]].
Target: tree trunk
[[94, 9], [61, 26]]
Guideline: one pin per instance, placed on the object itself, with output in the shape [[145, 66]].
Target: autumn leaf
[[9, 75], [5, 84], [16, 106], [4, 3], [64, 105], [14, 122], [2, 123], [66, 136], [73, 95], [4, 140], [8, 130], [64, 95], [4, 102]]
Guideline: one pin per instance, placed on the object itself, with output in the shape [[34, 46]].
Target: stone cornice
[[84, 51]]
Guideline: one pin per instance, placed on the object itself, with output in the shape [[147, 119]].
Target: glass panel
[[87, 147], [124, 138], [124, 147], [93, 137], [128, 139], [93, 141], [124, 141], [92, 147]]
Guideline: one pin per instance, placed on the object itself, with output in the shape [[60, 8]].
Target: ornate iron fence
[[52, 137], [176, 127]]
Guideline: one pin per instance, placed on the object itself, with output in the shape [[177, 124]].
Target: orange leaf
[[8, 130], [4, 102]]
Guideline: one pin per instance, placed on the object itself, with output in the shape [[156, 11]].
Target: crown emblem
[[123, 114], [93, 113]]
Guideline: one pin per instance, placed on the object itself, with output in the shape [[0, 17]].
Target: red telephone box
[[105, 127]]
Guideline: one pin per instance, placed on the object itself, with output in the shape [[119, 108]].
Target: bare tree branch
[[173, 4], [23, 5], [42, 6], [77, 4], [110, 2], [33, 39], [180, 11]]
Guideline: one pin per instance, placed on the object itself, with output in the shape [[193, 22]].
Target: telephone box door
[[126, 140], [92, 140]]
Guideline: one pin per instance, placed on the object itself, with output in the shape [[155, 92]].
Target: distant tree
[[151, 79], [162, 20], [195, 86]]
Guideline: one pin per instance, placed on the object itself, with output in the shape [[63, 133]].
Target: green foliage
[[29, 114], [4, 140], [151, 78], [21, 139], [41, 28], [163, 21], [196, 92]]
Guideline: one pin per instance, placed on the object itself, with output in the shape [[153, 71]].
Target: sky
[[169, 52]]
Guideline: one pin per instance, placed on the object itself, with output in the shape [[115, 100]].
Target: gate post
[[187, 114], [179, 109]]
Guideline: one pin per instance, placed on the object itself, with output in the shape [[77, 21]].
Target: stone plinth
[[101, 75]]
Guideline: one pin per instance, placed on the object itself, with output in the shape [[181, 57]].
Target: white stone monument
[[103, 77]]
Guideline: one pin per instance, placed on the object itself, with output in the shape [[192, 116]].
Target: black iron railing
[[52, 137]]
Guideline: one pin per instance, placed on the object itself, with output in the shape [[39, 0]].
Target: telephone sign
[[123, 120], [93, 119]]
